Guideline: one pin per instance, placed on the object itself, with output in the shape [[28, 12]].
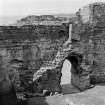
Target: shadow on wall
[[9, 97], [75, 60], [69, 89]]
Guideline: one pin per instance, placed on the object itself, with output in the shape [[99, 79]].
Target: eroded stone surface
[[87, 45], [7, 89], [87, 40], [26, 54]]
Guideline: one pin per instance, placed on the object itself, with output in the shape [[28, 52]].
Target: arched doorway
[[66, 72], [69, 68]]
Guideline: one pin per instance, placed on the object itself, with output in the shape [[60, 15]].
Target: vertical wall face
[[36, 53], [85, 12], [19, 58], [15, 53], [99, 45], [91, 41], [99, 15], [7, 91]]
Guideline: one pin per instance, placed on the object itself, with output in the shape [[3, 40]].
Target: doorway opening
[[69, 68]]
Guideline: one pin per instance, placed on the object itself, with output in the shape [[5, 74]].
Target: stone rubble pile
[[52, 67]]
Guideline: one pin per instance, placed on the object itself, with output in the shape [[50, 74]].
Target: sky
[[38, 7], [13, 8]]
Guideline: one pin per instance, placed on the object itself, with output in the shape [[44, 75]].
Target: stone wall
[[7, 90], [88, 41], [32, 32], [26, 48]]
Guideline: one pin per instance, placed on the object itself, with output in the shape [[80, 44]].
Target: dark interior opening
[[75, 61], [16, 61], [61, 33]]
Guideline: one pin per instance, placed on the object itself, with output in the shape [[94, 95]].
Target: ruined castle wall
[[85, 12], [87, 41], [30, 32], [28, 47], [90, 41]]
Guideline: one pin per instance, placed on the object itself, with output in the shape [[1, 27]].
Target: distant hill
[[65, 15], [56, 19]]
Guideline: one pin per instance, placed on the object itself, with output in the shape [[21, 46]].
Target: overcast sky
[[13, 10], [39, 7]]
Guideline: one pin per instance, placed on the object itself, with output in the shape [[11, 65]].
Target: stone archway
[[69, 69]]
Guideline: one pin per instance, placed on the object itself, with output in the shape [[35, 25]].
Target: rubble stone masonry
[[87, 44], [43, 49]]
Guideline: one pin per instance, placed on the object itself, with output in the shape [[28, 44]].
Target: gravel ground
[[93, 96]]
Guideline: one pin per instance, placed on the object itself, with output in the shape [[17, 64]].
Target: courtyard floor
[[93, 96]]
